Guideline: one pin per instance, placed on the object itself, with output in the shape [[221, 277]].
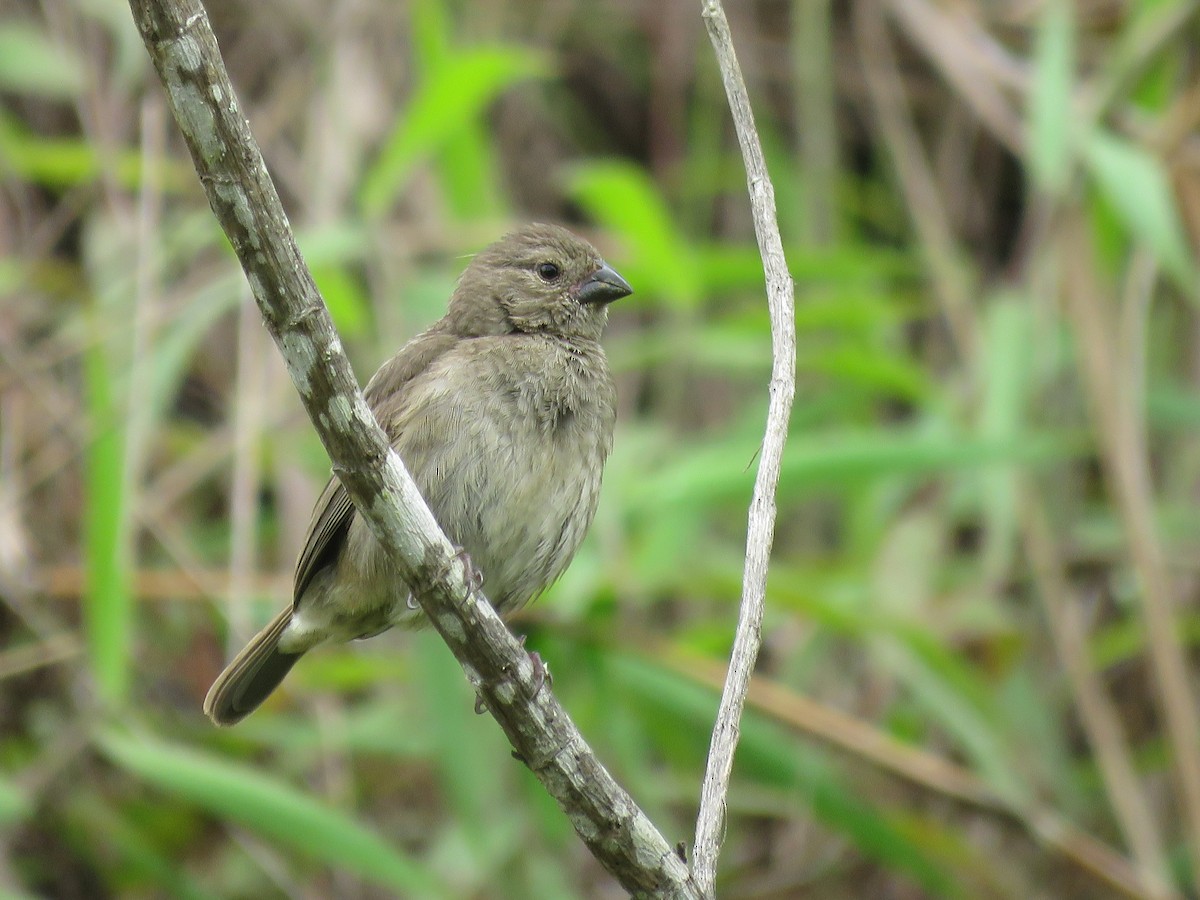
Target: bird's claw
[[541, 671], [471, 573]]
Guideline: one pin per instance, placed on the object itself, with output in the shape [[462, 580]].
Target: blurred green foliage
[[903, 591]]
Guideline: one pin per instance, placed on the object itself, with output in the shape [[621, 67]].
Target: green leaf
[[872, 368], [1137, 186], [1050, 118], [658, 259], [271, 807], [65, 162], [1006, 376], [1174, 406], [431, 31], [455, 95], [954, 695], [12, 275], [466, 166], [467, 172], [30, 63], [345, 298], [830, 459], [467, 748], [115, 841], [108, 601], [727, 267], [331, 243], [14, 804]]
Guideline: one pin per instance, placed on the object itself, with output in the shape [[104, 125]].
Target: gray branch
[[760, 533], [231, 169]]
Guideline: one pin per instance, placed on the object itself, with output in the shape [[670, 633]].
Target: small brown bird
[[503, 413]]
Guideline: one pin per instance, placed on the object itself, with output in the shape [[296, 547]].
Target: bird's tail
[[252, 676]]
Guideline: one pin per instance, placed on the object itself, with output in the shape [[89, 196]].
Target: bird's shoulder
[[416, 358], [385, 393]]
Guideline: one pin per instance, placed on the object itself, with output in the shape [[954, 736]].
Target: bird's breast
[[512, 468], [507, 443]]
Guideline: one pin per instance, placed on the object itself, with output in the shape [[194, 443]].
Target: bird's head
[[540, 278]]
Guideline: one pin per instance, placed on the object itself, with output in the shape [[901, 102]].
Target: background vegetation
[[979, 668]]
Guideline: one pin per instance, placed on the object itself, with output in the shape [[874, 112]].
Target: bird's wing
[[326, 534], [385, 394]]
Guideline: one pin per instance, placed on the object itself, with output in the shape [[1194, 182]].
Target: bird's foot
[[471, 573], [541, 672], [541, 669]]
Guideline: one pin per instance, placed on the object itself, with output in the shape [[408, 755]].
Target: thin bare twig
[[927, 770], [925, 204], [760, 532], [27, 657], [967, 56], [982, 71], [231, 169], [889, 100], [1121, 430], [812, 62], [1097, 714]]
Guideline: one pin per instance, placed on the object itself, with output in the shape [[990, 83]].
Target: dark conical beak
[[603, 286]]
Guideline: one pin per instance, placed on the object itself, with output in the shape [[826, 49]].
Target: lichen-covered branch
[[185, 53], [761, 530]]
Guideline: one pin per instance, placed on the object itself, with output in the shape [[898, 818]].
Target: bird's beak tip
[[603, 286]]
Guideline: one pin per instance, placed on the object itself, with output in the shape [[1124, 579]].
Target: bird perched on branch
[[503, 413]]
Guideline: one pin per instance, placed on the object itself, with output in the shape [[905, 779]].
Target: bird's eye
[[548, 271]]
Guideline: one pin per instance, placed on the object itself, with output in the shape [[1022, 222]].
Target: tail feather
[[252, 676]]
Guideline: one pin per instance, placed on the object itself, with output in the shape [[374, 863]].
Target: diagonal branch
[[231, 169], [761, 528]]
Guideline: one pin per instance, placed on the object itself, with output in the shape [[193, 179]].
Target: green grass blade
[[30, 63], [467, 171], [135, 855], [467, 750], [1007, 363], [271, 807], [657, 260], [455, 95], [834, 459], [67, 162], [14, 804], [1136, 184], [108, 601], [1050, 118], [957, 698]]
